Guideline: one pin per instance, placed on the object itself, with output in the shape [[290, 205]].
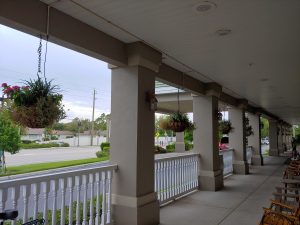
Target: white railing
[[81, 196], [227, 161], [175, 176], [249, 154]]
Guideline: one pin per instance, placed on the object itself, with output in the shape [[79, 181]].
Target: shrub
[[67, 137], [37, 145], [101, 154], [188, 146], [170, 147], [65, 145], [53, 137], [27, 141], [104, 144], [106, 149], [159, 150]]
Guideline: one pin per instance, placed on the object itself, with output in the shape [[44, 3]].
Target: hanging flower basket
[[249, 129], [225, 126], [177, 122], [37, 104]]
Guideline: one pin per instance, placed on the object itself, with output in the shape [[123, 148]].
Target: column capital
[[213, 89], [140, 54]]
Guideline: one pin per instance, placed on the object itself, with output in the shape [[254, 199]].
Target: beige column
[[237, 139], [132, 147], [179, 144], [205, 109], [273, 138], [280, 139], [255, 139]]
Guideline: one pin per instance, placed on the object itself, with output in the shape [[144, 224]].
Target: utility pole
[[93, 117]]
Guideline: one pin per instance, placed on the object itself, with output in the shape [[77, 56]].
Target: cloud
[[74, 109]]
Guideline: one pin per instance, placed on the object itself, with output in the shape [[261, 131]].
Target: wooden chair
[[275, 218]]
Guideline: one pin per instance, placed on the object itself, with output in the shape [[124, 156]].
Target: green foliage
[[35, 105], [188, 146], [188, 136], [13, 170], [101, 122], [74, 204], [264, 128], [177, 122], [104, 144], [102, 154], [9, 135], [170, 147], [159, 150], [225, 126], [159, 131], [43, 145]]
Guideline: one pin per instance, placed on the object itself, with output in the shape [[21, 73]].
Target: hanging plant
[[225, 126], [219, 116], [177, 122], [37, 104], [249, 129]]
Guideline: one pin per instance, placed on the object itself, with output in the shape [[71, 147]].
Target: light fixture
[[205, 6], [223, 32]]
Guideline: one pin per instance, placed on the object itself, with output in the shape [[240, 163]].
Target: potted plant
[[177, 122], [37, 104], [225, 126]]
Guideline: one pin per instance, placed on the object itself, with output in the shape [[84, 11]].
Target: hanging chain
[[39, 51], [178, 104]]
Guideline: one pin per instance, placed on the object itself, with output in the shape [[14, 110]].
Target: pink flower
[[25, 87], [8, 90], [15, 88], [4, 85]]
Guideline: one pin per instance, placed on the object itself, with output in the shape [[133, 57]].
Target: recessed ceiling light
[[205, 6], [223, 32]]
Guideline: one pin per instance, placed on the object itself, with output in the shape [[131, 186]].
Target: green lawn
[[14, 170]]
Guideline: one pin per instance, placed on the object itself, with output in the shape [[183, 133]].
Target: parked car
[[224, 143], [265, 141]]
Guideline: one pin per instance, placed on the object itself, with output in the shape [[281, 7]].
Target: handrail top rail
[[176, 156], [226, 150], [56, 175]]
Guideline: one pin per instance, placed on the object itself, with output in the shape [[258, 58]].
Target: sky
[[76, 74]]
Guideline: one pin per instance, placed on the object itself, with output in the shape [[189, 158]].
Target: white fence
[[176, 176], [227, 161], [80, 196]]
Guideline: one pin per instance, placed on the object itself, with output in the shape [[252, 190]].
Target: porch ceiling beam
[[171, 76], [30, 16]]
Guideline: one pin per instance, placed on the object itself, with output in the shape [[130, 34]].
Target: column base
[[240, 167], [274, 152], [136, 211], [211, 180], [257, 160], [179, 147], [281, 150]]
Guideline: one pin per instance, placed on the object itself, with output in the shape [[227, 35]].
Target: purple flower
[[4, 85]]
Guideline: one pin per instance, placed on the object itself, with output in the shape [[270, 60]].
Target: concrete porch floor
[[240, 202]]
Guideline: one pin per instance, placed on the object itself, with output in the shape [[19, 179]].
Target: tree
[[9, 137], [265, 127], [101, 122]]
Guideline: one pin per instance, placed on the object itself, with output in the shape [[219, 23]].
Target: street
[[30, 156]]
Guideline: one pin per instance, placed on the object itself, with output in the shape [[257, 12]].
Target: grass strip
[[15, 170]]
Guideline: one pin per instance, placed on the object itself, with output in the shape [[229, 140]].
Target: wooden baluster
[[103, 183], [14, 199], [70, 189], [77, 188], [167, 179], [97, 218], [84, 185], [3, 199], [62, 205], [44, 188], [91, 184], [54, 196], [159, 177], [35, 196], [25, 193], [109, 180]]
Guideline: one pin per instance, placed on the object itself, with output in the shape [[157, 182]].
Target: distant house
[[33, 134], [63, 134]]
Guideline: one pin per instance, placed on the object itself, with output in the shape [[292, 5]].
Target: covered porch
[[221, 62]]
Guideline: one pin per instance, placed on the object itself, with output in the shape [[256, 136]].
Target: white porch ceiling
[[259, 60]]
